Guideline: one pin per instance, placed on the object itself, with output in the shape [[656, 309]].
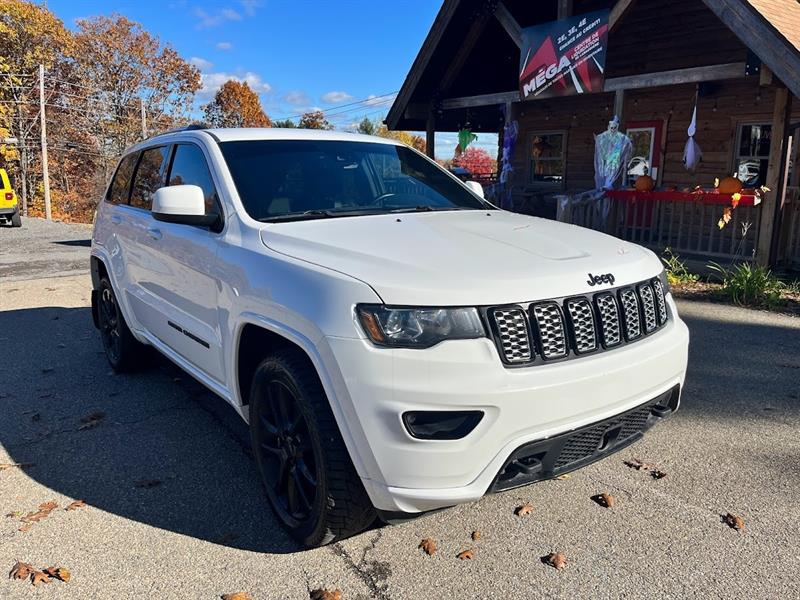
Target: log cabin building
[[738, 61]]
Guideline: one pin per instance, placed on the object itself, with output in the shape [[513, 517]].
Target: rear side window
[[149, 177], [121, 184], [189, 167]]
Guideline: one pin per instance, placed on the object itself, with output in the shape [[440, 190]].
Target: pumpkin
[[730, 185], [644, 183]]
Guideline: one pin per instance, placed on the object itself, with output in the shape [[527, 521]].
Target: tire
[[123, 352], [298, 446], [16, 220]]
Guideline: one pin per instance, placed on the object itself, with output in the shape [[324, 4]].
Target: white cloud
[[336, 97], [201, 63], [206, 20], [211, 82], [250, 6], [224, 46], [297, 98], [373, 100]]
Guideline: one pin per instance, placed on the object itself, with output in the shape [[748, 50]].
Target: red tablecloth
[[673, 196]]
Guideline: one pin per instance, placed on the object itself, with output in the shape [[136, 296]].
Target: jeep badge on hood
[[595, 279]]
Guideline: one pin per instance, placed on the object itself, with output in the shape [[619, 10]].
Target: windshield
[[281, 180]]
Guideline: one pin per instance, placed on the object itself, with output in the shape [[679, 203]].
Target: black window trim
[[130, 183], [136, 172], [168, 174]]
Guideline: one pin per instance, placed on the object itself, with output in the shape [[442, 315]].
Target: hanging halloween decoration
[[465, 138], [612, 150], [692, 155], [510, 133]]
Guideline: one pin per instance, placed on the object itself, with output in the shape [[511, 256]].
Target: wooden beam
[[781, 119], [619, 105], [509, 23], [620, 9], [631, 82], [430, 135], [464, 50]]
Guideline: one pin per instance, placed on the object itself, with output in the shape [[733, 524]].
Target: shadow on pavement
[[167, 453], [87, 243]]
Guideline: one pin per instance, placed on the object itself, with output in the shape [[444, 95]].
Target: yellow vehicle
[[9, 207]]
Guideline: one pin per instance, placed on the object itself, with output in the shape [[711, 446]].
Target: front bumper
[[408, 475]]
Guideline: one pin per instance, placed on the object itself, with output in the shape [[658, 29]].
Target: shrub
[[749, 285], [677, 273]]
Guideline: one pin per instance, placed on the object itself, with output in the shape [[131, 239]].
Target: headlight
[[418, 327]]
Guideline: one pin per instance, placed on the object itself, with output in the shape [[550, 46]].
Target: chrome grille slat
[[550, 326], [568, 327], [512, 328], [630, 313], [581, 317]]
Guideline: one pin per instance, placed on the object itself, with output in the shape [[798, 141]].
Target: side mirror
[[475, 188], [181, 204]]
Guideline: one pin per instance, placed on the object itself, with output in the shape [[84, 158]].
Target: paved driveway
[[175, 508]]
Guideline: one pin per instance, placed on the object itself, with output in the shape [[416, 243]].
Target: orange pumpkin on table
[[644, 183], [729, 185]]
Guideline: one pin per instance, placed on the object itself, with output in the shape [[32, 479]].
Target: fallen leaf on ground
[[557, 560], [59, 573], [524, 509], [49, 506], [321, 594], [656, 474], [639, 465], [733, 521], [563, 477], [92, 420], [45, 508], [14, 514], [76, 505], [38, 577], [147, 483], [465, 555], [25, 528], [428, 545], [236, 596], [20, 570], [476, 535], [605, 500]]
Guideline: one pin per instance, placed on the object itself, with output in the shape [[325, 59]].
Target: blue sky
[[298, 55]]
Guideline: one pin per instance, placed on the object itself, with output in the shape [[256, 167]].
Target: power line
[[364, 101]]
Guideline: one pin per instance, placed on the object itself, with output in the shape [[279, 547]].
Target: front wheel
[[16, 220], [309, 478]]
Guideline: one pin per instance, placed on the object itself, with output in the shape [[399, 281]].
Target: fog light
[[441, 425]]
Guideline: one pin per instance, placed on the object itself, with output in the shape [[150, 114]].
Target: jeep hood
[[463, 257]]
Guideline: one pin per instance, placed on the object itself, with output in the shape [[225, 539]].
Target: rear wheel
[[123, 352], [16, 220], [309, 478]]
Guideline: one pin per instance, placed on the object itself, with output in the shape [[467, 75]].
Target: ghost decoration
[[612, 150], [692, 155]]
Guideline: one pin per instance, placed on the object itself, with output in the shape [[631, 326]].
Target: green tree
[[285, 124], [367, 127], [314, 120], [235, 105]]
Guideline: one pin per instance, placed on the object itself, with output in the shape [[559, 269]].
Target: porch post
[[430, 135], [770, 206]]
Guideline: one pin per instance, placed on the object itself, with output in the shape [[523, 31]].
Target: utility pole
[[23, 143], [144, 119], [45, 172]]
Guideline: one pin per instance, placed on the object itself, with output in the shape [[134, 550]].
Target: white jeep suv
[[396, 343]]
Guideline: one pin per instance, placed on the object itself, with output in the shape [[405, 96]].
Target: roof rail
[[197, 125]]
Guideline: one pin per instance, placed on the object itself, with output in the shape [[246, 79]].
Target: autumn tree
[[314, 120], [476, 160], [235, 105], [409, 139]]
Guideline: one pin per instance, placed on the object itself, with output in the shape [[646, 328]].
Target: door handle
[[154, 233], [116, 219]]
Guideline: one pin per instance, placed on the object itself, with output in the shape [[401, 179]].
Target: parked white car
[[396, 343]]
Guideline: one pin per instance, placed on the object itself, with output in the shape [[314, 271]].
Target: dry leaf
[[476, 535], [523, 510], [92, 420], [25, 528], [557, 560], [59, 573], [76, 505], [563, 477], [733, 521], [236, 596], [656, 474], [322, 594], [428, 545], [38, 577], [605, 500], [147, 483], [20, 570], [48, 506], [465, 555]]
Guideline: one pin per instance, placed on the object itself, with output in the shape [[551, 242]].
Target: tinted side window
[[149, 177], [121, 184], [189, 167]]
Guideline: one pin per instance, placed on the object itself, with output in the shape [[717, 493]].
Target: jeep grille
[[578, 325]]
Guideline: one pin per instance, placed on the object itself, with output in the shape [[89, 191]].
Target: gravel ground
[[43, 249], [204, 529]]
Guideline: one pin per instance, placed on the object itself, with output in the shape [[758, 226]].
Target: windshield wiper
[[316, 214], [426, 208]]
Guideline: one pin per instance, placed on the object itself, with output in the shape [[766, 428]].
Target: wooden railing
[[791, 228]]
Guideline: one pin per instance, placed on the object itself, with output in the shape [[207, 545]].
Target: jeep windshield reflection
[[290, 180]]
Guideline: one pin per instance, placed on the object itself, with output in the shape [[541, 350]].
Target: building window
[[547, 150], [752, 153]]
